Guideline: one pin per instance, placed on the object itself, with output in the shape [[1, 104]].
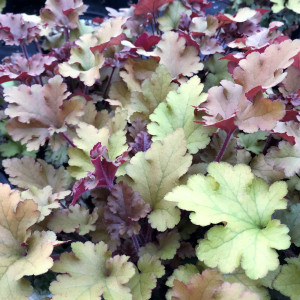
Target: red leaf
[[113, 41], [149, 6], [146, 41], [104, 174]]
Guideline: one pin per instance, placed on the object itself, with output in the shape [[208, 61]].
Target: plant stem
[[23, 47], [224, 146], [148, 234], [86, 90], [38, 46], [108, 83], [67, 34], [267, 144], [135, 243], [67, 139]]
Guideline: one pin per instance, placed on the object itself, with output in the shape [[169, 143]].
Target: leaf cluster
[[152, 154]]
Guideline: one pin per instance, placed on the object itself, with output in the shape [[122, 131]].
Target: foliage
[[152, 154]]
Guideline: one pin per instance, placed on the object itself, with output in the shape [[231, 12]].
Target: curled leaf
[[124, 208]]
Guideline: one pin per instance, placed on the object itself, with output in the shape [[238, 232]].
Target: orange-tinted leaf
[[200, 287], [27, 172], [265, 69], [37, 112], [179, 59], [62, 13]]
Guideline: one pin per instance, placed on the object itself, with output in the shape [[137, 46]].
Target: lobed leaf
[[233, 195], [26, 172], [178, 112], [91, 273], [155, 172]]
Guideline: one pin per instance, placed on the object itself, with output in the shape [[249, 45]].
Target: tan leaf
[[200, 287], [262, 114], [109, 29], [75, 218], [27, 172], [136, 71], [62, 13], [40, 111], [266, 69], [83, 62], [45, 198], [261, 169], [291, 81], [179, 59], [229, 102], [21, 253]]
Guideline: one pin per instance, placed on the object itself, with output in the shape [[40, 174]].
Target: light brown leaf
[[75, 218], [27, 172], [21, 253], [40, 111], [179, 59], [62, 13], [266, 69]]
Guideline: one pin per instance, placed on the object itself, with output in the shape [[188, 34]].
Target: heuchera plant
[[152, 154]]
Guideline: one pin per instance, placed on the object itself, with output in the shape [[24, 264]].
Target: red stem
[[23, 47], [67, 34], [224, 146], [67, 139]]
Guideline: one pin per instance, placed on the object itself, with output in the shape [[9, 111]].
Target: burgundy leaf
[[142, 142], [104, 174], [147, 41], [124, 208]]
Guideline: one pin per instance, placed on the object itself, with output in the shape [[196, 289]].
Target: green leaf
[[92, 272], [217, 71], [154, 91], [171, 16], [57, 158], [156, 172], [253, 142], [288, 280], [291, 218], [235, 196], [145, 278], [293, 5], [182, 273], [2, 4], [178, 112], [87, 137], [168, 244]]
